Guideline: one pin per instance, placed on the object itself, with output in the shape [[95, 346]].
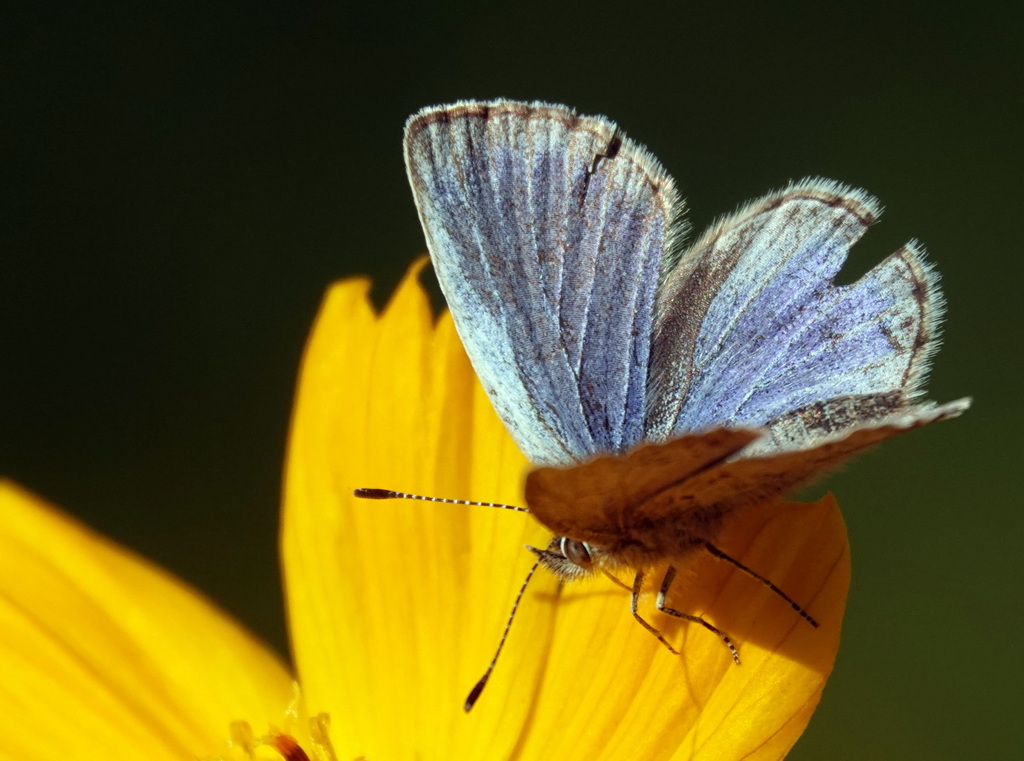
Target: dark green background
[[182, 181]]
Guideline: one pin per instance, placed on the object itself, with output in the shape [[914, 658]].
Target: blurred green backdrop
[[182, 181]]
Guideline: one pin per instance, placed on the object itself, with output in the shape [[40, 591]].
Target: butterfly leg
[[796, 606], [666, 583], [634, 602], [616, 579]]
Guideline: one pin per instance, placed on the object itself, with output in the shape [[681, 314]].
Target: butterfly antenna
[[474, 694], [389, 494], [795, 605]]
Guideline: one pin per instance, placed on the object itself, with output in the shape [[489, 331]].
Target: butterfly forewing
[[546, 230]]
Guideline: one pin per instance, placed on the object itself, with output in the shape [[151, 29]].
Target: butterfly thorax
[[572, 559]]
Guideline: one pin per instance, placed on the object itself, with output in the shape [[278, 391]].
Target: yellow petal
[[396, 607], [104, 655]]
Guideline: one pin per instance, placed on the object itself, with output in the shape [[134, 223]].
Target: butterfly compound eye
[[577, 553]]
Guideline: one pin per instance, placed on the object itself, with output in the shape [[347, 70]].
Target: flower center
[[245, 744]]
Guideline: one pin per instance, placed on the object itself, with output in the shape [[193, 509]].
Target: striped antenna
[[478, 688], [474, 694], [389, 494]]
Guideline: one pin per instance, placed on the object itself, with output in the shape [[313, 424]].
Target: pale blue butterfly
[[660, 388]]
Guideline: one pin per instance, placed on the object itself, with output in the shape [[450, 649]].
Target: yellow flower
[[396, 607]]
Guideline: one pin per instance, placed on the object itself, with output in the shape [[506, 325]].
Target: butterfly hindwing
[[661, 500], [750, 326], [599, 500], [546, 230]]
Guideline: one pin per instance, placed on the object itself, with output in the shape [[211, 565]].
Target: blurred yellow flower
[[395, 608]]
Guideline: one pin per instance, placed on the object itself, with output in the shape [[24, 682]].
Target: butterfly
[[661, 388]]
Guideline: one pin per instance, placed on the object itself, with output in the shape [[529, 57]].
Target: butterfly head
[[570, 559]]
